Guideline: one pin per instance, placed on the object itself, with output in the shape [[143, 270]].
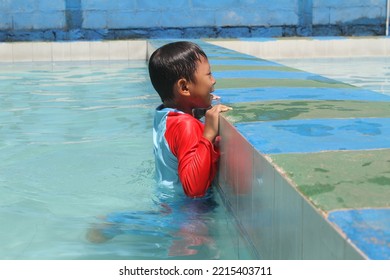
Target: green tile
[[254, 83], [231, 56], [285, 110], [342, 179], [252, 67]]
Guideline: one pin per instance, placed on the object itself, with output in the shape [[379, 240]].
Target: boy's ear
[[182, 86]]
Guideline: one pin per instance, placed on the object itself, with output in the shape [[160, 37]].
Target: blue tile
[[369, 229], [246, 62], [261, 74], [315, 135], [282, 93]]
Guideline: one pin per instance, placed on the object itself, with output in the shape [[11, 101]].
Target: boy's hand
[[212, 121]]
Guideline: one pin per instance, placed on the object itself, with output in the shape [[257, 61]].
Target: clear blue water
[[76, 165]]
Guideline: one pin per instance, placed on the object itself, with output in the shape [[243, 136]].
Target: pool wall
[[59, 20], [279, 221]]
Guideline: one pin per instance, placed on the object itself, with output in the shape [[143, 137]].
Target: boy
[[186, 151]]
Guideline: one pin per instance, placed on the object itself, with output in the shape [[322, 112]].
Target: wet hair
[[172, 62]]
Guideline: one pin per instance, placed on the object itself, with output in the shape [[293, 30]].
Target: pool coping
[[73, 51], [309, 47], [137, 49]]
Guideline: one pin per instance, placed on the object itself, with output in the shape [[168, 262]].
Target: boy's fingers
[[220, 108], [224, 108]]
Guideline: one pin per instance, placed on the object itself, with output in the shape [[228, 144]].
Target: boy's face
[[202, 86]]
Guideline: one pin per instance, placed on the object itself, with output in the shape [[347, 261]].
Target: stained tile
[[276, 94], [262, 74], [315, 82], [286, 110], [317, 135], [339, 180], [369, 229]]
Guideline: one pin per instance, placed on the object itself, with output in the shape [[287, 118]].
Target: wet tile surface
[[306, 109], [340, 180], [315, 135], [283, 94], [369, 229]]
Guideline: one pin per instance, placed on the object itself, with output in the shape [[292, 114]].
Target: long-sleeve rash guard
[[184, 158]]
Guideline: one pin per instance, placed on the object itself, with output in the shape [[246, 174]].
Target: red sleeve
[[197, 156]]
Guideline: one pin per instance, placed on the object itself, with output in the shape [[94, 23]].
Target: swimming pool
[[370, 72], [76, 157]]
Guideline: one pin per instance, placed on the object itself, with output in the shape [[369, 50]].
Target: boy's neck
[[172, 104]]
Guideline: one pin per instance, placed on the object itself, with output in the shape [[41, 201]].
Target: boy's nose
[[214, 81]]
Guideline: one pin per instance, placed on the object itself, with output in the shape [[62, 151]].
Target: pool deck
[[305, 160], [329, 141]]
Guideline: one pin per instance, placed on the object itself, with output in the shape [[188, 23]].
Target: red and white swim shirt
[[184, 158]]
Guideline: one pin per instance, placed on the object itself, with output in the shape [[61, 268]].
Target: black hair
[[172, 62]]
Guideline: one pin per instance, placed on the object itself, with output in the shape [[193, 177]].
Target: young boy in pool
[[186, 150]]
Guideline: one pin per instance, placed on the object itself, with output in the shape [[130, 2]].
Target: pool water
[[372, 73], [76, 171]]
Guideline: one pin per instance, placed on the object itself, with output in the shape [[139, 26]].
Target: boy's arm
[[197, 157]]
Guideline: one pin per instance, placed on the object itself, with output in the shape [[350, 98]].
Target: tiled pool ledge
[[267, 48], [305, 159], [296, 168], [304, 47]]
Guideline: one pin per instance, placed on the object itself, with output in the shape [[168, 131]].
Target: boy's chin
[[203, 105]]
